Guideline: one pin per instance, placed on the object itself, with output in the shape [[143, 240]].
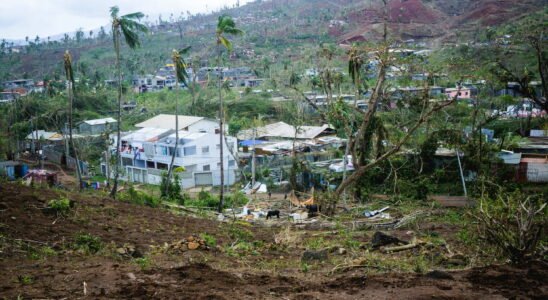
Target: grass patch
[[86, 242]]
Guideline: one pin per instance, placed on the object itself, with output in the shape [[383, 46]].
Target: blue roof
[[251, 142]]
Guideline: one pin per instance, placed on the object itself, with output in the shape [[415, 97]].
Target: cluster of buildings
[[12, 90], [164, 77], [147, 152]]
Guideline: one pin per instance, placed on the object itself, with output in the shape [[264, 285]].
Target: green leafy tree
[[128, 27], [225, 25]]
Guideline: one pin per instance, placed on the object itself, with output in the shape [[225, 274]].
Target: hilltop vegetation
[[278, 31]]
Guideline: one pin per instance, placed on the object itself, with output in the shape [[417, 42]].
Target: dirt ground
[[28, 228]]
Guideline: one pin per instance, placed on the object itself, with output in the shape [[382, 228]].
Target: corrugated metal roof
[[52, 136], [510, 158], [283, 130], [168, 121], [145, 134], [100, 121]]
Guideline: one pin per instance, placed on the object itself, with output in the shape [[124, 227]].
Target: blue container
[[24, 170], [11, 172]]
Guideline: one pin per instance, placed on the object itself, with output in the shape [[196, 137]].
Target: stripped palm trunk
[[116, 37], [221, 132], [170, 170]]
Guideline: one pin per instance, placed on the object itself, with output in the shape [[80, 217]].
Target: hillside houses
[[6, 97], [21, 86], [164, 77]]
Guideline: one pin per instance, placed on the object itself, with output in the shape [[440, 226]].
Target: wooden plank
[[451, 201]]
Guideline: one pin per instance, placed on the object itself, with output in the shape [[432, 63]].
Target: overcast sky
[[21, 18]]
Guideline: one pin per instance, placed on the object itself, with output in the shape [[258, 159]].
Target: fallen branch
[[400, 248]]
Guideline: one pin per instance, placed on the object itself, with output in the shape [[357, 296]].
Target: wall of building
[[204, 125]]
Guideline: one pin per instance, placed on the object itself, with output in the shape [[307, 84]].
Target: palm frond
[[67, 59], [114, 12], [225, 42], [180, 65], [134, 26], [355, 63], [131, 38], [233, 31], [226, 25], [185, 51], [136, 15]]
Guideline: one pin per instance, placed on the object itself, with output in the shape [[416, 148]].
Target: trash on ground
[[370, 214]]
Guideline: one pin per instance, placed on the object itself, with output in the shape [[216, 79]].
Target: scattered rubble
[[190, 243], [128, 251], [382, 239]]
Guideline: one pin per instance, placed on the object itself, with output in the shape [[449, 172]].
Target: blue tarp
[[251, 142]]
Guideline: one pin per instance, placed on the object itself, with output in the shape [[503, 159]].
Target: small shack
[[97, 126], [41, 177], [7, 169]]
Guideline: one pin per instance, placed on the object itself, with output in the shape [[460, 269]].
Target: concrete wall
[[187, 180], [204, 126]]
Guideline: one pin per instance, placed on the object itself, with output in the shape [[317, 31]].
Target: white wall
[[204, 125], [200, 159]]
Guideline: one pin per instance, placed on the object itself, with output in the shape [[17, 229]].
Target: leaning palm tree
[[128, 26], [181, 77], [70, 92], [225, 25]]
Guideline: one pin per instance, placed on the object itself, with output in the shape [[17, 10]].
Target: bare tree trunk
[[71, 101], [221, 131], [114, 190], [170, 170]]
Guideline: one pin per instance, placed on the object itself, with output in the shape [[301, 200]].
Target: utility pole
[[253, 158], [67, 153], [461, 174]]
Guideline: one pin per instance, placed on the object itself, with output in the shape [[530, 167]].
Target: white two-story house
[[146, 153]]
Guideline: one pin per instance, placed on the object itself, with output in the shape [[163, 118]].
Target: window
[[231, 163], [218, 165], [205, 149], [161, 150], [205, 168], [218, 146], [190, 150], [150, 164], [162, 166]]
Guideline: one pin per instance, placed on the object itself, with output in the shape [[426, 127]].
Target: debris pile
[[128, 251], [190, 243]]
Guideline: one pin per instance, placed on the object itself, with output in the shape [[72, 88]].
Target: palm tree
[[129, 27], [181, 77], [71, 91], [225, 25]]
